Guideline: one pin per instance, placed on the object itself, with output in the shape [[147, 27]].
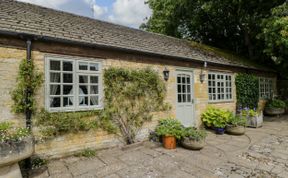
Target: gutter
[[71, 42]]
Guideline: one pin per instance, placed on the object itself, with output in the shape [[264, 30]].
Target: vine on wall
[[247, 89], [28, 79]]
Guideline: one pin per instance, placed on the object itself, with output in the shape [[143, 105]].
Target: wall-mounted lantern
[[166, 74], [202, 75]]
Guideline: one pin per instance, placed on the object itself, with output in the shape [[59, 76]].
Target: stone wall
[[67, 144]]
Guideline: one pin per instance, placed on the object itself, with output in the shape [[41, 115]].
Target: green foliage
[[275, 103], [248, 112], [38, 162], [130, 98], [237, 121], [88, 153], [8, 133], [55, 124], [247, 90], [214, 117], [28, 79], [194, 134], [275, 36], [169, 127]]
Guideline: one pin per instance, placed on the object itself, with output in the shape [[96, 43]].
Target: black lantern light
[[202, 75], [166, 74]]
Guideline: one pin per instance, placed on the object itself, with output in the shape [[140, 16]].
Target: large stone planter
[[192, 144], [255, 121], [235, 130], [13, 152], [274, 111]]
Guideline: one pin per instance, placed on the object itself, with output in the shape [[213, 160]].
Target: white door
[[185, 105]]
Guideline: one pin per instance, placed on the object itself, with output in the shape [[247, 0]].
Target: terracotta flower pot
[[169, 142]]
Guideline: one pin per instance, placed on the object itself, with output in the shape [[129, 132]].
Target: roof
[[19, 17]]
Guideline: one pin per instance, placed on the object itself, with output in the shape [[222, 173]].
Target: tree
[[228, 24], [275, 36]]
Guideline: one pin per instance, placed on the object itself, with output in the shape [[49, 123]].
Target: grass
[[88, 153]]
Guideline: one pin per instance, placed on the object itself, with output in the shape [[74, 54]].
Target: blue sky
[[125, 12]]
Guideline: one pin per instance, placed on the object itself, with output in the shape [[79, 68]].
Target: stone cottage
[[72, 52]]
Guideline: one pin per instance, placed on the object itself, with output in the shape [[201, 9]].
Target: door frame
[[191, 70]]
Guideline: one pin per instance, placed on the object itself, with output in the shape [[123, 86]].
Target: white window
[[265, 88], [73, 85], [219, 87]]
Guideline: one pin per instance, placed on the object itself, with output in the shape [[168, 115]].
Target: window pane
[[83, 79], [94, 100], [188, 88], [179, 88], [94, 89], [93, 79], [83, 66], [188, 98], [179, 98], [83, 101], [67, 66], [67, 78], [178, 79], [55, 65], [67, 90], [83, 90], [94, 67], [55, 102], [183, 80], [184, 88], [184, 98], [55, 90], [67, 101], [188, 80], [54, 77]]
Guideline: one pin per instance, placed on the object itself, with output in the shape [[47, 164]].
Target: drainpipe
[[28, 112]]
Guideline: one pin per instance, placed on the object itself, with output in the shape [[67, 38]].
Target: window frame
[[216, 87], [75, 83], [267, 81]]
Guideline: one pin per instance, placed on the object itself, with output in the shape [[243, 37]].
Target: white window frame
[[76, 72], [265, 88], [216, 80]]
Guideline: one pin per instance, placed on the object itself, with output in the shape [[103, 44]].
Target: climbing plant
[[130, 98], [28, 80], [247, 89]]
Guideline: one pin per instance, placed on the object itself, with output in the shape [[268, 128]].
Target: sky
[[131, 13]]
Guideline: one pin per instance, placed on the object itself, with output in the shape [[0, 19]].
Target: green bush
[[247, 90], [248, 112], [237, 121], [8, 133], [275, 103], [169, 127], [214, 117], [194, 134]]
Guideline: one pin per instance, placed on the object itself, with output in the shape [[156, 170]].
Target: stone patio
[[262, 152]]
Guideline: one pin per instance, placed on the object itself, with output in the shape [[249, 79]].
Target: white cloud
[[129, 12], [98, 11], [47, 3]]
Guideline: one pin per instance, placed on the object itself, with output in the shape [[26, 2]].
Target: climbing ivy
[[28, 80], [247, 89], [130, 98]]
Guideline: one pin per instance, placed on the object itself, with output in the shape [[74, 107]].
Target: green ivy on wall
[[28, 79], [247, 89], [130, 98]]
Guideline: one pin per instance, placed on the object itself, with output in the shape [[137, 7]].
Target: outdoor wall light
[[166, 74], [202, 76]]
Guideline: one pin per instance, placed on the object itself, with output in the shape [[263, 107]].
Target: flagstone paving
[[261, 152]]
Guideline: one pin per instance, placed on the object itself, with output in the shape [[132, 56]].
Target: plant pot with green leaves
[[216, 119], [193, 138], [275, 107], [254, 117], [236, 125], [170, 130]]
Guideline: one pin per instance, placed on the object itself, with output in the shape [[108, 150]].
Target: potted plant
[[275, 107], [16, 144], [216, 119], [193, 139], [169, 130], [236, 125], [254, 117]]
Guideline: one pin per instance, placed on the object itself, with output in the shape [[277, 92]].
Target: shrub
[[8, 133], [214, 117], [237, 121], [246, 112], [194, 134], [169, 127], [275, 103]]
